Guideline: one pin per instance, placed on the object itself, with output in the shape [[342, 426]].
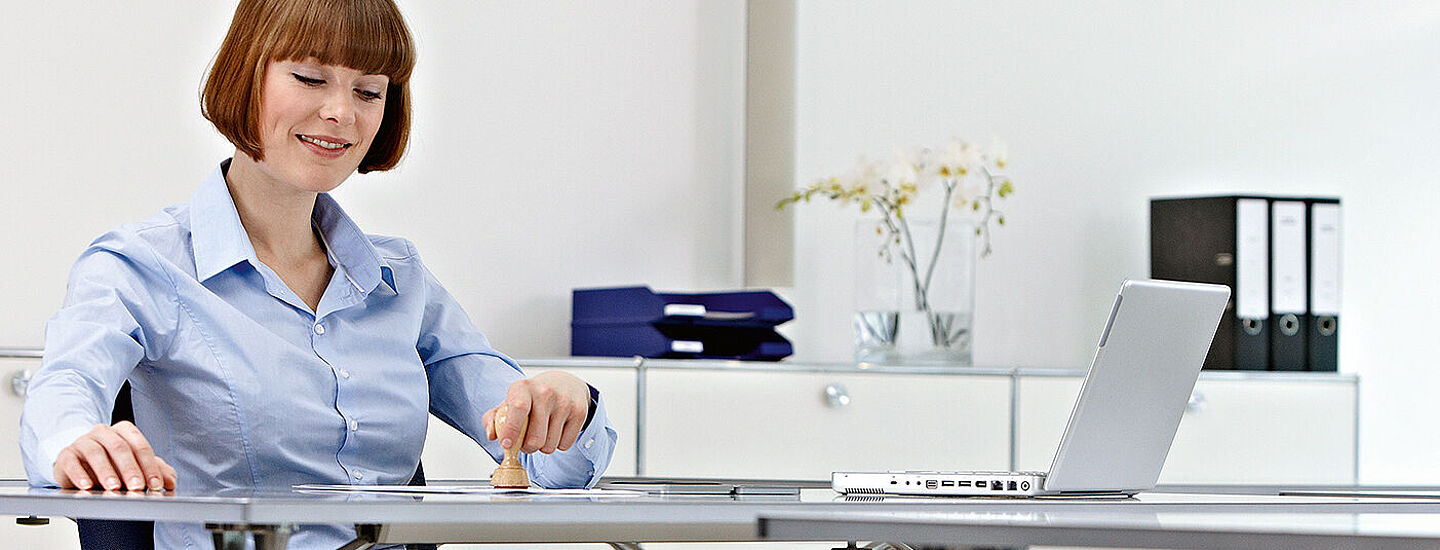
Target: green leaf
[[1000, 220]]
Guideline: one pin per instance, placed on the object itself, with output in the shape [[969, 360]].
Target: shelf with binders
[[1281, 258]]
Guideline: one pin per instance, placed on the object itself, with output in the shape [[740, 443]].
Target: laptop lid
[[1134, 395]]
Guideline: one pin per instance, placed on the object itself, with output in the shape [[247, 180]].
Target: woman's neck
[[277, 217]]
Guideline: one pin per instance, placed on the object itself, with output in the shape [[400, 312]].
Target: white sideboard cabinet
[[777, 422], [803, 421], [1239, 427]]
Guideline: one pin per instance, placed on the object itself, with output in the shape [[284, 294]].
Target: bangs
[[367, 36]]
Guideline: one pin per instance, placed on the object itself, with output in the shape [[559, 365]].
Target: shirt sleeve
[[119, 310], [468, 377]]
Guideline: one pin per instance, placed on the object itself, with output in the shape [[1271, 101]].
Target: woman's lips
[[325, 146]]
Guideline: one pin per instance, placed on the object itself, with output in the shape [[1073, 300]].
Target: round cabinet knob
[[1196, 402], [837, 396], [19, 382]]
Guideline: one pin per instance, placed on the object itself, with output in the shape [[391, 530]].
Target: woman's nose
[[337, 108]]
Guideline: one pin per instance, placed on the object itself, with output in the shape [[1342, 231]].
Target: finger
[[70, 474], [91, 472], [144, 456], [555, 432], [122, 456], [167, 474], [519, 400], [572, 432], [488, 419], [94, 456], [539, 425]]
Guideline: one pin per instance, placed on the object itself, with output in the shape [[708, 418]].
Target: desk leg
[[267, 537]]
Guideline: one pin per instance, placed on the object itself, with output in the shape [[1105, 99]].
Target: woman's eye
[[368, 95], [307, 80]]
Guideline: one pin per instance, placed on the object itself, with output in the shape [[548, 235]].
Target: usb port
[[931, 484], [963, 483], [947, 483]]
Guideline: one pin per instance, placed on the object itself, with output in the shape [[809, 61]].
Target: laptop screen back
[[1134, 396]]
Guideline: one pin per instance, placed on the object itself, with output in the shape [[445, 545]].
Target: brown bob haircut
[[365, 35]]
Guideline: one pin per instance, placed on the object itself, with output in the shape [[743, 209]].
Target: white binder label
[[687, 346], [1252, 258], [1287, 277], [684, 310], [1325, 259]]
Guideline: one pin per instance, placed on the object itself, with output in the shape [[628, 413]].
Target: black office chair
[[107, 534]]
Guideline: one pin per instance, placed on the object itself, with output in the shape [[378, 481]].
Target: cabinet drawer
[[1234, 431], [449, 454], [60, 534], [781, 425], [1271, 431]]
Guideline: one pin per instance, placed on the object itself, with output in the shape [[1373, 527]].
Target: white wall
[[568, 145], [554, 146], [1104, 104]]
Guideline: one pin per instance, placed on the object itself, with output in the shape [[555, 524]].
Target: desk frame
[[396, 519]]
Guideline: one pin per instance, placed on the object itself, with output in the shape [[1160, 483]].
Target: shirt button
[[589, 442], [354, 425], [344, 373], [319, 328], [359, 475]]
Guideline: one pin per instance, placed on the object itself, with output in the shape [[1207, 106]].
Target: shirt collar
[[219, 240], [349, 248]]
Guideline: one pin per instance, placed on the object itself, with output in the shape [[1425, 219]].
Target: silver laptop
[[1125, 418]]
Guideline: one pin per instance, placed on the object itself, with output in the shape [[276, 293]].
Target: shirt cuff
[[49, 452], [594, 402]]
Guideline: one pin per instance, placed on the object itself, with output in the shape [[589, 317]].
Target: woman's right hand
[[115, 458]]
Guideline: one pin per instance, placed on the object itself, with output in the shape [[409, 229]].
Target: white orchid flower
[[956, 159], [999, 155]]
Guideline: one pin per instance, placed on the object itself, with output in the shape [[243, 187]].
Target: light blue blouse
[[238, 384]]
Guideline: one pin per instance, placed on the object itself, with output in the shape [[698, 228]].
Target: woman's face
[[317, 122]]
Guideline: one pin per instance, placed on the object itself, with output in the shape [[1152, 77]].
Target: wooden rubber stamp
[[510, 474]]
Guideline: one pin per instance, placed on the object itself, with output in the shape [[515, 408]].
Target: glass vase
[[914, 292]]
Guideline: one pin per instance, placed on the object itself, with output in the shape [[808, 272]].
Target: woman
[[267, 340]]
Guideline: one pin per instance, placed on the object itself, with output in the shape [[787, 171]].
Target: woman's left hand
[[556, 404]]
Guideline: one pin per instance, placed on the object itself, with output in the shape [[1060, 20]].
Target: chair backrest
[[109, 534]]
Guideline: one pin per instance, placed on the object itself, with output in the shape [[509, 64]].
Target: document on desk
[[485, 490]]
